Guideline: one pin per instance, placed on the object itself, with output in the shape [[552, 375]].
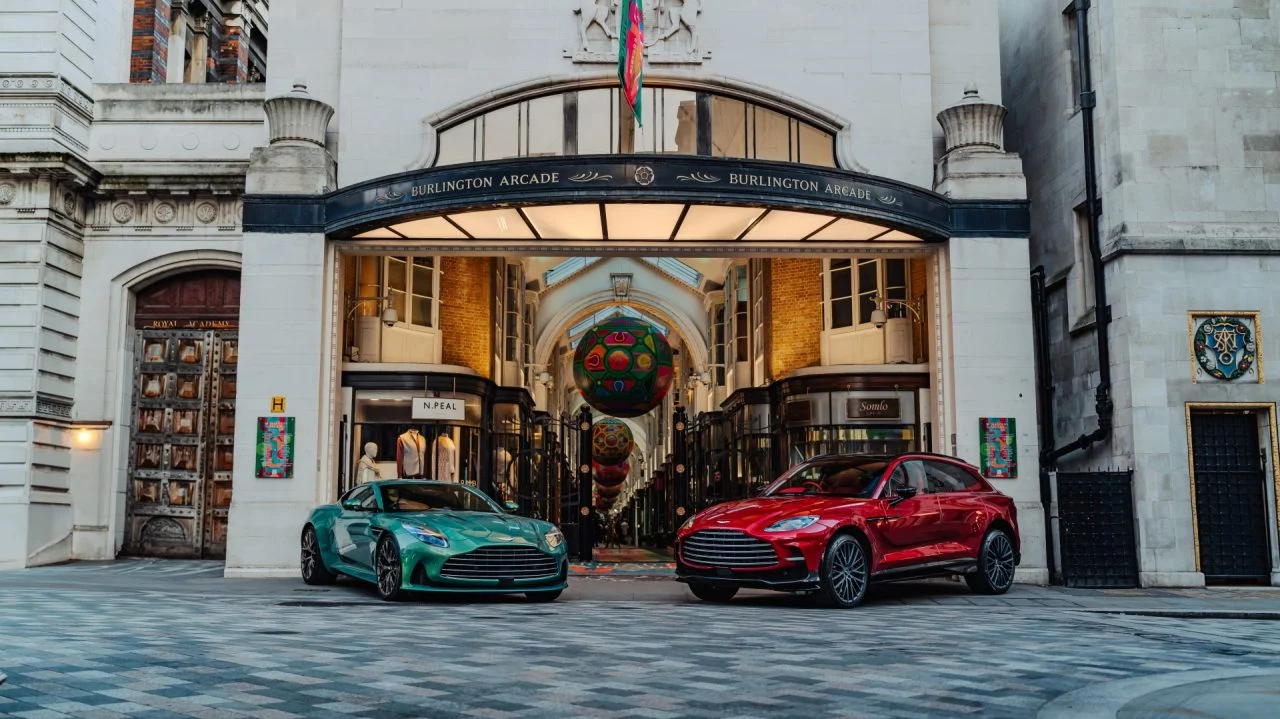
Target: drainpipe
[[1102, 311], [1044, 401]]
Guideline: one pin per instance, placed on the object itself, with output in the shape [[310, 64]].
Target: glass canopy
[[640, 222]]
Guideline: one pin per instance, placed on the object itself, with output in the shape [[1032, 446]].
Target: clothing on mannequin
[[502, 472], [446, 459], [368, 470], [411, 455]]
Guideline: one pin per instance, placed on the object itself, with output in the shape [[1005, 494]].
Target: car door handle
[[886, 518]]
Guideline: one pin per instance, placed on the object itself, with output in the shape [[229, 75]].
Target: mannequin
[[502, 472], [368, 470], [411, 455], [446, 459]]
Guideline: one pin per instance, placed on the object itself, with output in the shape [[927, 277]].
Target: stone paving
[[115, 646]]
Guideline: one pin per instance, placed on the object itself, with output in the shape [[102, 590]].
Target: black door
[[1231, 498]]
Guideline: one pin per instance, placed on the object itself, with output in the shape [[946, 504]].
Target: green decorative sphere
[[623, 367], [611, 441]]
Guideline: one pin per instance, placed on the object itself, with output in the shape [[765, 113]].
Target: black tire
[[314, 571], [543, 596], [996, 562], [845, 573], [389, 570], [718, 593]]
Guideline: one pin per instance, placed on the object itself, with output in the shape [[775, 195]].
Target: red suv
[[832, 525]]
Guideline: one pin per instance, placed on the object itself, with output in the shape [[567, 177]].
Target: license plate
[[722, 572]]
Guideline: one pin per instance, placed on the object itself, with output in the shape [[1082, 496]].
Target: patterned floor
[[152, 654]]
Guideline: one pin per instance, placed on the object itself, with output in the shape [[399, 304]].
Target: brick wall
[[919, 269], [795, 315], [149, 57], [232, 55], [465, 321]]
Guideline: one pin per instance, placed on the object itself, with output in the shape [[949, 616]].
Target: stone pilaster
[[288, 346]]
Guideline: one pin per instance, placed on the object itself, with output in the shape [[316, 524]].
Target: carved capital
[[297, 118], [973, 123]]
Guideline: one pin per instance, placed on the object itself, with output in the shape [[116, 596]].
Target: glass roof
[[640, 222], [567, 269]]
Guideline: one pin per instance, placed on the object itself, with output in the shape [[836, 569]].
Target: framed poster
[[275, 448], [999, 447]]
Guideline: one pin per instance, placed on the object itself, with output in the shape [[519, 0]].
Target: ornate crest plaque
[[672, 34], [1225, 347]]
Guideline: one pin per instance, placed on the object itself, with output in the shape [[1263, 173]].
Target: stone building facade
[[1187, 114], [433, 200]]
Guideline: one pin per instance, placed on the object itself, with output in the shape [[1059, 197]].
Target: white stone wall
[[870, 63]]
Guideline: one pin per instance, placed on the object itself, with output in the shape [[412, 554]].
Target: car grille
[[727, 548], [501, 563]]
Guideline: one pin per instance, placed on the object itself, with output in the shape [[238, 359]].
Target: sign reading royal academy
[[671, 32], [1225, 347]]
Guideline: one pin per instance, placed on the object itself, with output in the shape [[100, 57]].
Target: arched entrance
[[186, 351]]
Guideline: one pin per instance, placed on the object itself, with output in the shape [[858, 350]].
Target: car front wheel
[[313, 569], [995, 564], [845, 573], [389, 570], [713, 592]]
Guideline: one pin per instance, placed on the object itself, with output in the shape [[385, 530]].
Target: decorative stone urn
[[973, 123], [297, 118]]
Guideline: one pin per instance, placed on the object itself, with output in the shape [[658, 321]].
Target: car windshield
[[853, 477], [429, 497]]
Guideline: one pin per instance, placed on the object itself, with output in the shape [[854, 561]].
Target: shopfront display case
[[749, 429]]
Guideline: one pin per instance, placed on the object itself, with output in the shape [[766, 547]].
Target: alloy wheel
[[310, 553], [999, 561], [848, 572], [388, 569]]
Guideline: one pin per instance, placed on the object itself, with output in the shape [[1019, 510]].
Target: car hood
[[760, 512], [479, 527]]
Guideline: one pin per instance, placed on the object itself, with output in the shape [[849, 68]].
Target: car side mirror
[[901, 493], [351, 505], [511, 506]]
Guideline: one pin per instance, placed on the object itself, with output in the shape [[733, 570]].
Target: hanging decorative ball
[[608, 492], [623, 367], [611, 441], [604, 505], [612, 475]]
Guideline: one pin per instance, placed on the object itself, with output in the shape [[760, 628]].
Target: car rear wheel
[[845, 573], [713, 592], [543, 596], [313, 569], [995, 564], [389, 570]]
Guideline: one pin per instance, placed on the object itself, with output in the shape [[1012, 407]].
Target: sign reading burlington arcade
[[651, 178]]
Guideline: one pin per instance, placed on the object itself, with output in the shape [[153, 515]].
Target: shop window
[[741, 301], [853, 286], [757, 268], [675, 121], [514, 316], [410, 282], [718, 348]]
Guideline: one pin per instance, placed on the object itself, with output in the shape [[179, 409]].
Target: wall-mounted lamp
[[88, 435], [879, 316], [621, 285], [389, 315]]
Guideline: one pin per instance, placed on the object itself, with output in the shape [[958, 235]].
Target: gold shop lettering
[[857, 193], [466, 183], [532, 178]]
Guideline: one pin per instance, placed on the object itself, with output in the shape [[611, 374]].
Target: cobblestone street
[[161, 639]]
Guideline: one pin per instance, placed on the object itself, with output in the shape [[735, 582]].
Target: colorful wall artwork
[[999, 448], [275, 448]]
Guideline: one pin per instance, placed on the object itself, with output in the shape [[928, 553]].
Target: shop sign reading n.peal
[[436, 408]]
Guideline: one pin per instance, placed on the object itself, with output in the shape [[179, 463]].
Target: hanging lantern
[[623, 367], [611, 475], [611, 441]]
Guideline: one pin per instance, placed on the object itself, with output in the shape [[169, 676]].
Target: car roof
[[428, 482], [885, 457]]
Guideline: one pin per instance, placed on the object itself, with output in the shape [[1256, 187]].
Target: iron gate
[[1230, 497], [1095, 523]]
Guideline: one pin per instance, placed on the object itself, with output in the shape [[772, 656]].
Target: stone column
[[986, 282], [287, 346]]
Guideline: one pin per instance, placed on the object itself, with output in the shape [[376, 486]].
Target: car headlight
[[554, 538], [429, 536], [792, 524]]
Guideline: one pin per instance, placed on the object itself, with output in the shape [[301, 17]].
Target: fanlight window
[[675, 122]]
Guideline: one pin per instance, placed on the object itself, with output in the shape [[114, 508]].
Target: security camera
[[878, 318], [390, 317]]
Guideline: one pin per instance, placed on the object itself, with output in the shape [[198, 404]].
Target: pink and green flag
[[631, 53]]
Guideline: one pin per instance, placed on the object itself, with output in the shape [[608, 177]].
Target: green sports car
[[413, 536]]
